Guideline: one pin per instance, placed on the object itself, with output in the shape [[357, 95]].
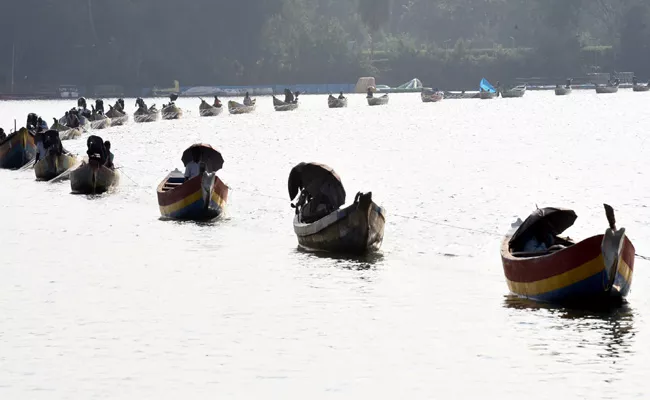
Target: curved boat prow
[[612, 247]]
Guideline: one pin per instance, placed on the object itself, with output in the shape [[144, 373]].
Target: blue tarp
[[486, 86]]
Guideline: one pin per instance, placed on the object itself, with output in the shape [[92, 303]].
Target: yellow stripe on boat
[[187, 201], [556, 282]]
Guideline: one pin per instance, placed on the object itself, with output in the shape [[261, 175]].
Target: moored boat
[[238, 108], [431, 96], [377, 101], [562, 91], [320, 224], [53, 165], [487, 95], [92, 178], [171, 111], [540, 265], [66, 133], [462, 95], [117, 117], [641, 88], [208, 110], [333, 102], [610, 87], [280, 105], [100, 121], [17, 149], [486, 90], [202, 197], [517, 91]]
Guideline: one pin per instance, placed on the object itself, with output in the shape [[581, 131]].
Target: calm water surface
[[101, 299]]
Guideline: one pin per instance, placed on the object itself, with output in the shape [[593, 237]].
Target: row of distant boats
[[539, 263]]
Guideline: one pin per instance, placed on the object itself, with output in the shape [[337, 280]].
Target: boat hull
[[92, 178], [377, 101], [461, 95], [606, 89], [562, 91], [356, 229], [117, 118], [201, 198], [210, 112], [513, 93], [237, 108], [337, 103], [17, 149], [70, 134], [102, 123], [487, 95], [52, 166], [148, 117], [431, 96], [171, 112], [576, 274], [641, 88]]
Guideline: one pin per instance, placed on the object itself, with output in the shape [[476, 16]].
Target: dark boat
[[595, 269], [208, 110], [200, 198], [282, 106], [610, 87], [117, 117], [431, 96], [53, 165], [171, 111], [333, 102], [17, 149], [462, 95], [92, 178], [377, 101], [238, 108]]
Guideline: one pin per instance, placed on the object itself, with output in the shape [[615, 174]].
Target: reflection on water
[[364, 262]]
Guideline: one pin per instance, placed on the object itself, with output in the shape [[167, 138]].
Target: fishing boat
[[171, 111], [66, 133], [377, 101], [610, 87], [280, 105], [117, 117], [99, 121], [431, 96], [146, 115], [53, 165], [93, 178], [517, 91], [333, 102], [17, 149], [462, 95], [562, 91], [356, 229], [238, 108], [540, 265], [487, 91], [202, 197], [208, 110], [641, 87]]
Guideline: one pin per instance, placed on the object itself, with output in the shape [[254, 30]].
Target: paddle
[[65, 173], [612, 246], [27, 166]]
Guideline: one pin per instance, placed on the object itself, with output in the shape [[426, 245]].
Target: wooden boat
[[238, 108], [53, 165], [356, 229], [100, 121], [377, 101], [171, 111], [462, 95], [200, 198], [208, 110], [431, 96], [641, 88], [118, 118], [595, 269], [609, 88], [17, 149], [562, 90], [280, 105], [146, 115], [518, 91], [92, 178], [66, 133], [487, 95], [333, 102]]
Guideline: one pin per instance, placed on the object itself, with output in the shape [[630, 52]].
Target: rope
[[642, 257], [479, 231]]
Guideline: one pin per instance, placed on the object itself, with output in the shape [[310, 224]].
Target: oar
[[611, 247], [27, 166], [65, 173]]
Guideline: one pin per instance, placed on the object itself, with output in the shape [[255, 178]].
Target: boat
[[595, 269], [146, 114], [92, 178], [100, 121], [377, 101], [53, 165], [517, 91], [356, 229], [280, 105], [200, 198], [117, 117], [66, 133], [238, 108], [333, 102], [431, 96], [462, 95], [171, 111], [641, 88], [562, 91], [208, 110], [17, 149], [610, 87], [487, 91]]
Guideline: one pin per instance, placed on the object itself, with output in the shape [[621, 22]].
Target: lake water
[[99, 298]]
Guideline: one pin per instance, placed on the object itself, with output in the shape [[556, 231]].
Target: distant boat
[[610, 87], [431, 96], [280, 105], [487, 91], [517, 91], [377, 101], [333, 102], [238, 108]]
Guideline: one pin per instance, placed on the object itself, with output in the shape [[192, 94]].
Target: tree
[[374, 15]]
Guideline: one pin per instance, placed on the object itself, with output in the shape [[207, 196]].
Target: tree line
[[141, 43]]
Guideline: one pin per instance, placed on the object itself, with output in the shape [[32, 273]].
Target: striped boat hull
[[17, 149]]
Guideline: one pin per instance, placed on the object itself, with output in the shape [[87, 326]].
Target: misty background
[[447, 43]]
